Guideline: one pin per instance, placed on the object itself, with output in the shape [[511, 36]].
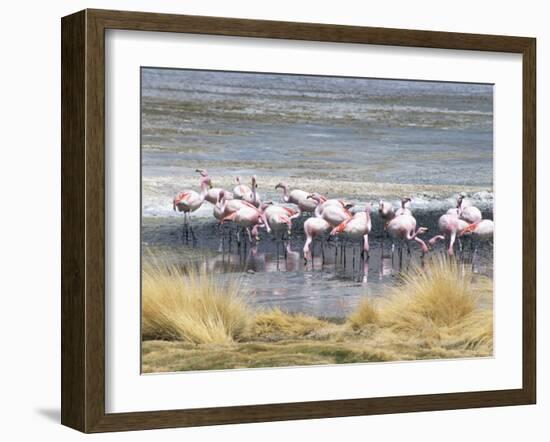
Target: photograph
[[304, 220]]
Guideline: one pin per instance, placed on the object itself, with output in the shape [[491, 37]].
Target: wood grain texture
[[73, 128], [529, 220], [83, 220]]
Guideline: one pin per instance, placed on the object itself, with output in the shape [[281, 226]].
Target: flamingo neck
[[390, 215], [254, 195], [285, 193], [204, 189], [221, 204], [318, 209]]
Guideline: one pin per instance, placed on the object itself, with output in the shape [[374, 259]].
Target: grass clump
[[365, 314], [191, 306], [439, 295], [438, 305], [274, 324]]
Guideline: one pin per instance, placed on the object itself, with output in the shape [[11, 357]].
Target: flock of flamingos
[[244, 207]]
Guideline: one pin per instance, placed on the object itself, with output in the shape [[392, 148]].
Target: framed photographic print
[[270, 220]]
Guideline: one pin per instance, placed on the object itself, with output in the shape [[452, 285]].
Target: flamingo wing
[[340, 227], [468, 229], [230, 217], [181, 197], [252, 206], [290, 211]]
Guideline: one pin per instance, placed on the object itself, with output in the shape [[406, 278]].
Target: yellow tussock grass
[[191, 306], [366, 313], [276, 323], [440, 304]]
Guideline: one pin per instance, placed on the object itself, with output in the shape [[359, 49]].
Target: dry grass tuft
[[192, 306], [435, 306], [365, 314], [273, 324], [437, 296]]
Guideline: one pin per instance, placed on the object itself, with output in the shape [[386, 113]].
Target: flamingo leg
[[307, 254], [474, 254], [451, 244], [435, 239], [186, 226], [365, 250], [193, 237], [422, 244], [344, 251]]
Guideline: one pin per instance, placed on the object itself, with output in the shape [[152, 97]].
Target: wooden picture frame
[[83, 220]]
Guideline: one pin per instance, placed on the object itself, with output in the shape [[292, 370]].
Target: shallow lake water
[[274, 273]]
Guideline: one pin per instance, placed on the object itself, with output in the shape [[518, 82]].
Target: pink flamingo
[[335, 215], [278, 219], [482, 230], [386, 211], [403, 228], [404, 210], [189, 201], [338, 209], [313, 227], [242, 191], [462, 202], [213, 194], [471, 215], [298, 197], [357, 228], [225, 208], [467, 211], [449, 225], [226, 205], [246, 216]]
